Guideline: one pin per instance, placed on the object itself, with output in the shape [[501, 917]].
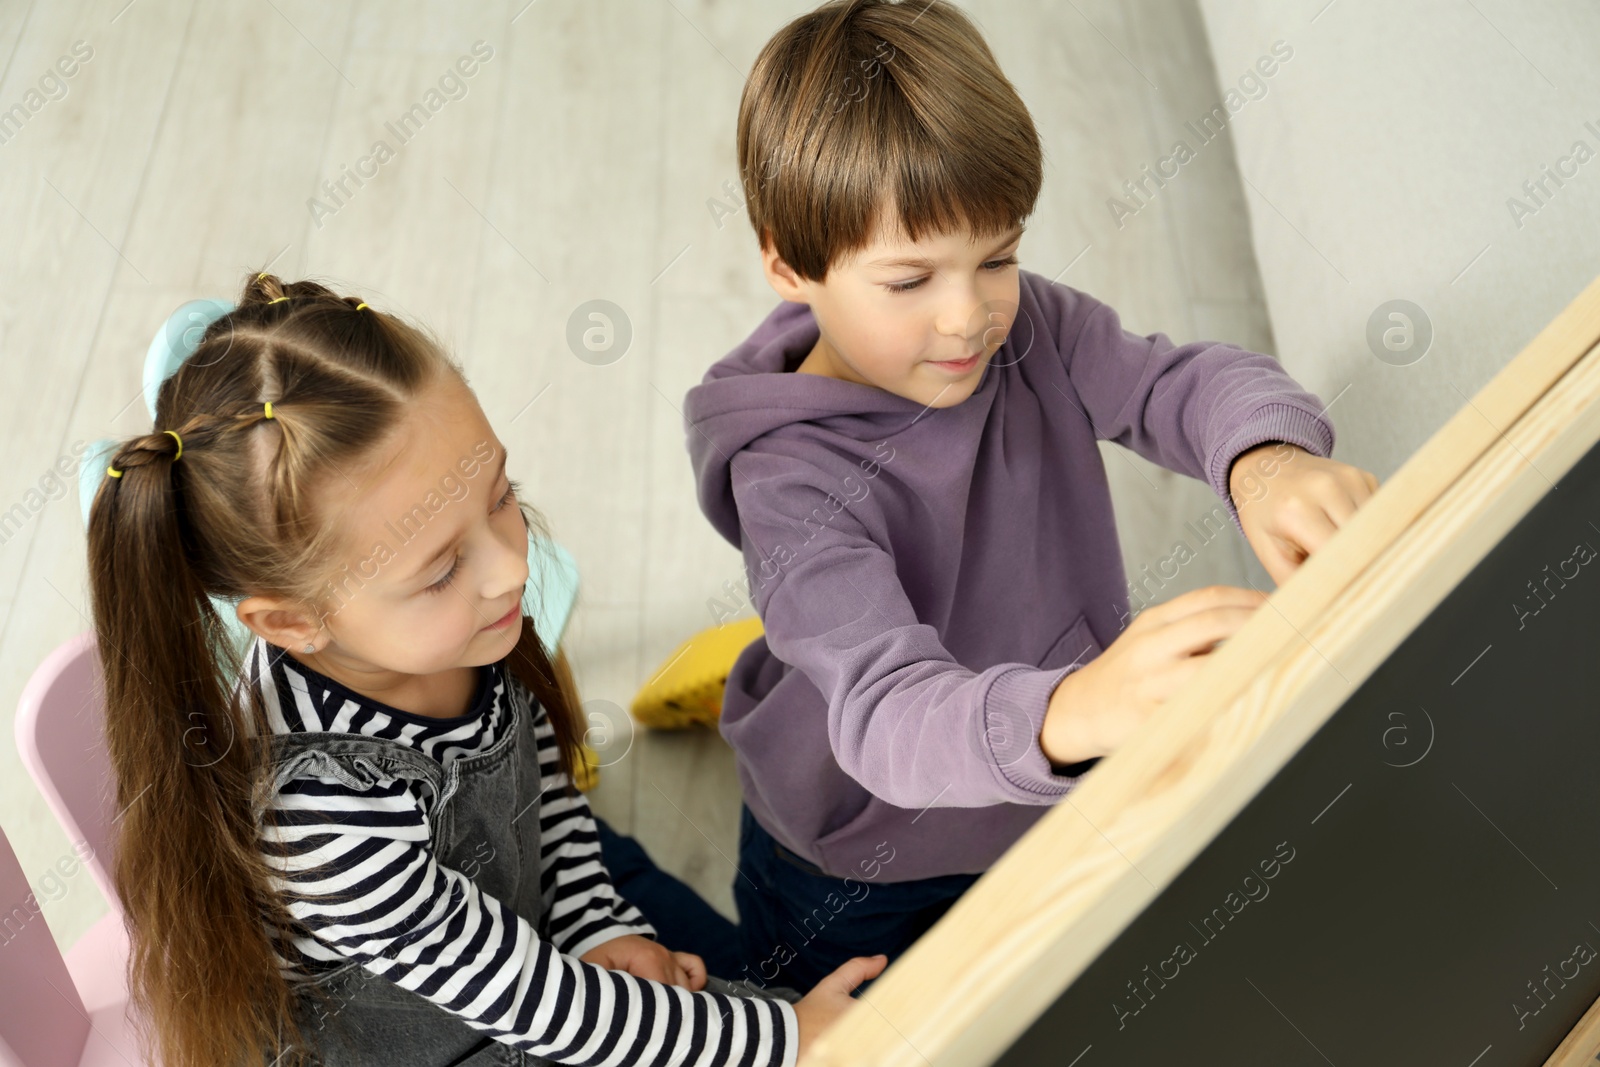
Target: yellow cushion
[[589, 772], [687, 688]]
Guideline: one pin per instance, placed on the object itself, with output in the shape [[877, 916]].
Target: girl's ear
[[278, 622]]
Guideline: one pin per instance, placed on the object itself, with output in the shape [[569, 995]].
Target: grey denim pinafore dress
[[483, 822]]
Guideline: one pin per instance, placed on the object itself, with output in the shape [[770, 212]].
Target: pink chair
[[67, 1011], [54, 1011], [61, 738]]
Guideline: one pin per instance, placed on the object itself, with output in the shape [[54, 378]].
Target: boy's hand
[[644, 958], [1097, 706], [1288, 512], [830, 997]]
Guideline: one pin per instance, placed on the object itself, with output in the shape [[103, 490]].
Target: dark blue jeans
[[797, 924]]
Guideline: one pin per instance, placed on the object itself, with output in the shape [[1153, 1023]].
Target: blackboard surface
[[1420, 884]]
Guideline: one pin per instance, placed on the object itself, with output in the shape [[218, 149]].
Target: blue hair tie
[[173, 343], [176, 341]]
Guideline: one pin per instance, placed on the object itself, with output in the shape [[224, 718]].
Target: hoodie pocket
[[871, 811], [1075, 645]]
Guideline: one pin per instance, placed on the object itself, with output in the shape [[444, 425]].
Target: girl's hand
[[644, 958], [1288, 512], [830, 997], [1096, 707]]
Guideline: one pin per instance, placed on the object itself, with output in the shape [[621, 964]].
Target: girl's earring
[[310, 649]]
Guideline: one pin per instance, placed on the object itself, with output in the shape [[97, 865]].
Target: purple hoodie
[[926, 577]]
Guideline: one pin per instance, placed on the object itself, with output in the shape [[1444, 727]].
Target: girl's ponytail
[[203, 973]]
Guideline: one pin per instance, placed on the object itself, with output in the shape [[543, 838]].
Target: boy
[[905, 452]]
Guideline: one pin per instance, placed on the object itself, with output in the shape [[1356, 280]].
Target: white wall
[[1379, 165]]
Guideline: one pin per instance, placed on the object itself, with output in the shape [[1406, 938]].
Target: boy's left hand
[[1291, 501], [644, 958]]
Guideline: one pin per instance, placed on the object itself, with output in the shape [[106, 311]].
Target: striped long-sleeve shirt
[[357, 871]]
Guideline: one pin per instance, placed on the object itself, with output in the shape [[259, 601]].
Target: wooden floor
[[591, 156]]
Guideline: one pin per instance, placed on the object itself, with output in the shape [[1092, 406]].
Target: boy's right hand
[[830, 997], [1097, 706]]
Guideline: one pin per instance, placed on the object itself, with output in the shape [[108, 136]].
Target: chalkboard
[[1420, 883]]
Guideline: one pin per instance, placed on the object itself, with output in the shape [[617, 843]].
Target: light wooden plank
[[608, 638], [1063, 893], [686, 810], [557, 231], [13, 19], [241, 146], [407, 235], [688, 789], [71, 178], [1581, 1046], [708, 50]]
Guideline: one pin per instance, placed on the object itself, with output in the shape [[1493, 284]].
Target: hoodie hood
[[753, 391]]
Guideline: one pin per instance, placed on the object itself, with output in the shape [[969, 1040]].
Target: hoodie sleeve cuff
[[1013, 717], [1275, 422]]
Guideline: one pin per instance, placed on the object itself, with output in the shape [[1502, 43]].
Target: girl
[[358, 842]]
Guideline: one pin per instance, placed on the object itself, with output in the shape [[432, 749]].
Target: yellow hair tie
[[113, 472], [178, 439], [269, 409], [361, 305], [279, 300], [260, 276]]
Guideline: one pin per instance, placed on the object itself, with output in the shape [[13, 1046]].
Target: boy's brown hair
[[865, 106]]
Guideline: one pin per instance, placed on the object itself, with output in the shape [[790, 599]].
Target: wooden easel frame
[[1009, 947]]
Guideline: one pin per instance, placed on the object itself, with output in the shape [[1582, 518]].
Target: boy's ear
[[784, 281], [278, 622]]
